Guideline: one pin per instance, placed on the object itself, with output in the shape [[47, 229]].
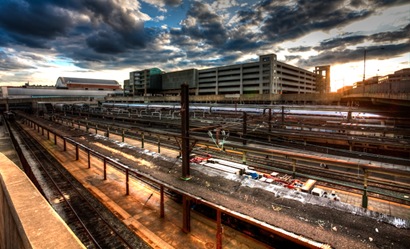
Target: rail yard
[[284, 175]]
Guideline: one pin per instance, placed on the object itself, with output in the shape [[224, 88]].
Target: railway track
[[382, 187], [93, 224], [385, 189], [277, 136]]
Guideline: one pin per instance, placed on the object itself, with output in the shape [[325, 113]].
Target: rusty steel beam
[[161, 207], [185, 131], [186, 214], [218, 229]]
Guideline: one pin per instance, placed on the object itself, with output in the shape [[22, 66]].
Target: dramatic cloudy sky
[[41, 40]]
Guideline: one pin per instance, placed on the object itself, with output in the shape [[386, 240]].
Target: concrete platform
[[27, 220], [6, 146], [140, 209]]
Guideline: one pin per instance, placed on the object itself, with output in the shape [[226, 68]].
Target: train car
[[81, 107], [289, 111], [61, 107]]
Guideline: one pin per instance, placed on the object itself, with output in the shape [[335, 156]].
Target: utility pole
[[365, 50], [185, 150]]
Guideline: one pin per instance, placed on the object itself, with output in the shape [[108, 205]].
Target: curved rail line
[[94, 226]]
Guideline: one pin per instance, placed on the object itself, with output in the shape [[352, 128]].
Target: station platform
[[140, 210], [6, 146], [27, 220]]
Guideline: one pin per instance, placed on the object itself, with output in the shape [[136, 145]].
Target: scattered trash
[[321, 223], [277, 209], [304, 219], [377, 230], [370, 239], [334, 229]]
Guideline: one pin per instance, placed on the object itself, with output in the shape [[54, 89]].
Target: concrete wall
[[26, 218]]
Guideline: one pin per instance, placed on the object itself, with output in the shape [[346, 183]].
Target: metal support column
[[270, 121], [142, 140], [64, 144], [105, 168], [349, 116], [159, 144], [244, 124], [185, 150], [48, 134], [76, 152], [283, 116], [127, 186], [186, 214], [55, 138], [294, 168], [364, 197], [218, 229], [161, 207], [123, 136], [89, 159]]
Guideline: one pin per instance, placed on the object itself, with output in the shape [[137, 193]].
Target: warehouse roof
[[63, 81]]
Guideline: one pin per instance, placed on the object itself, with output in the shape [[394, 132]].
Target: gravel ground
[[324, 223]]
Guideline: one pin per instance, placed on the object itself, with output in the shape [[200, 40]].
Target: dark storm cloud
[[344, 56], [294, 21], [281, 21], [242, 44], [8, 63], [340, 42], [300, 49], [350, 40], [37, 24], [36, 20], [393, 36], [292, 57], [173, 3], [32, 25], [110, 34], [102, 42], [115, 28], [208, 26]]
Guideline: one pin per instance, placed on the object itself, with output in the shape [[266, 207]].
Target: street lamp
[[364, 62]]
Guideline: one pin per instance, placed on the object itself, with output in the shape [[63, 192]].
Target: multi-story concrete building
[[171, 82], [266, 76], [397, 76], [145, 81], [322, 79]]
